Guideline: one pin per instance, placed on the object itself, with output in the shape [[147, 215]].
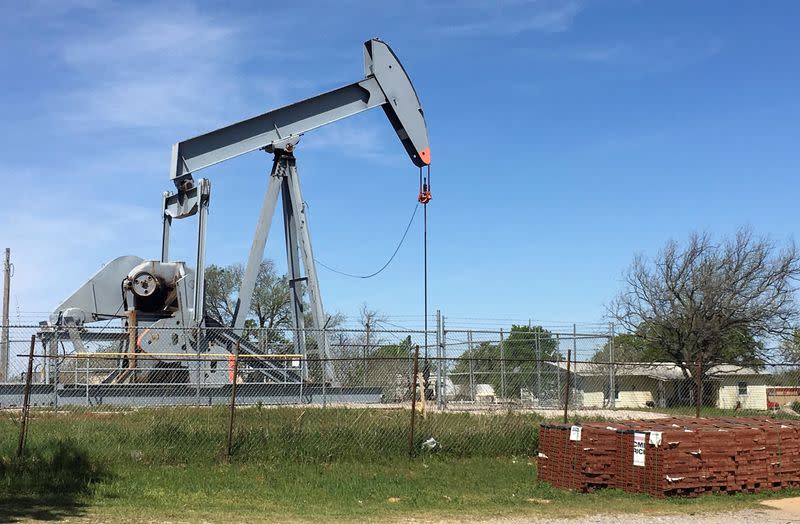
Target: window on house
[[743, 388], [616, 393]]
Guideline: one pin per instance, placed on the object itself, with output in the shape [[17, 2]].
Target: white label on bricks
[[575, 433], [655, 438], [638, 449]]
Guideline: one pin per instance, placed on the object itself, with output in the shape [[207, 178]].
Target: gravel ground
[[758, 516], [754, 516]]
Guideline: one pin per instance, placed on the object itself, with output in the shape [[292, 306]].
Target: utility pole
[[5, 327]]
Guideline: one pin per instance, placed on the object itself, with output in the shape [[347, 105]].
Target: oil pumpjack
[[161, 302]]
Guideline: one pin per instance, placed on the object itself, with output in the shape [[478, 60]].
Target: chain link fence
[[184, 394]]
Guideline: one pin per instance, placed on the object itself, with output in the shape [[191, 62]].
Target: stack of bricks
[[673, 456], [583, 459]]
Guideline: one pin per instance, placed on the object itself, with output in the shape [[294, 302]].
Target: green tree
[[628, 347], [790, 348], [529, 353], [269, 313]]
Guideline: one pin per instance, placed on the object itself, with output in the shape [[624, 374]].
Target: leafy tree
[[222, 285], [790, 348], [269, 313], [627, 348], [526, 351]]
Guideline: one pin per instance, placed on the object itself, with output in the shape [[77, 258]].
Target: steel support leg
[[257, 248], [293, 265], [166, 227], [200, 267], [314, 297]]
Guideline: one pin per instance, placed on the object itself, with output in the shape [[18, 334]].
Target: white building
[[663, 384]]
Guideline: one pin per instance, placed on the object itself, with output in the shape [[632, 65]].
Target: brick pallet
[[583, 465], [673, 456]]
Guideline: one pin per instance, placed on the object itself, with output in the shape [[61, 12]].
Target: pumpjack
[[161, 302]]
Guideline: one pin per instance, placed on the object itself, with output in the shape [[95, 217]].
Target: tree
[[707, 303], [269, 307], [222, 287], [526, 351], [628, 347], [270, 304], [790, 348], [351, 348], [634, 347]]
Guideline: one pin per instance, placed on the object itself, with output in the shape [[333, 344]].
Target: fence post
[[57, 366], [502, 368], [198, 367], [612, 387], [538, 369], [23, 428], [414, 402], [324, 394], [575, 358], [234, 382], [471, 376], [557, 395], [444, 364], [86, 359], [566, 386], [438, 359], [367, 350], [699, 386]]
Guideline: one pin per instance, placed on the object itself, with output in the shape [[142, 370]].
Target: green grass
[[175, 436], [714, 412], [292, 464]]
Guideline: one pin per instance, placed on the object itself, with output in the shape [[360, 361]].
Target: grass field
[[292, 465]]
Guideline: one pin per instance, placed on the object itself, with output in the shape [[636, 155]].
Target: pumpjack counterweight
[[164, 294]]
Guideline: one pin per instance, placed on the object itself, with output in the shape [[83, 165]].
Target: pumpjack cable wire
[[396, 249], [424, 198]]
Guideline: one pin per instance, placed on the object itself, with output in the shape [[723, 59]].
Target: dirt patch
[[790, 506]]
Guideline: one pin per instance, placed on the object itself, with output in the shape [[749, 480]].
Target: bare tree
[[707, 303], [351, 347]]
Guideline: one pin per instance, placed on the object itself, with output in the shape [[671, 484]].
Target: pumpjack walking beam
[[385, 85]]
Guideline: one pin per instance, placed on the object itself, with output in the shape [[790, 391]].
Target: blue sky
[[566, 136]]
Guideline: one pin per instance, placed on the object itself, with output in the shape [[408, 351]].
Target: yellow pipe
[[190, 355]]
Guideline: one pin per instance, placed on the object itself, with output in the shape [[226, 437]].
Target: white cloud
[[158, 68], [509, 18], [657, 55]]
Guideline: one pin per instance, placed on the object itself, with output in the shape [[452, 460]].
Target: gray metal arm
[[386, 85]]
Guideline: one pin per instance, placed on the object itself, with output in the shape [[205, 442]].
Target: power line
[[399, 245]]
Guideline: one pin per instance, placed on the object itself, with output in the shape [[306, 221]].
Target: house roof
[[656, 370]]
